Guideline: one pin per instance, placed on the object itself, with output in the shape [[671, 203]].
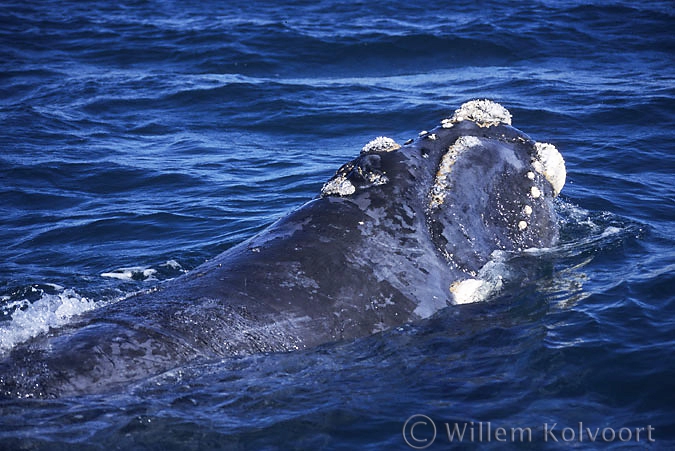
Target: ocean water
[[140, 138]]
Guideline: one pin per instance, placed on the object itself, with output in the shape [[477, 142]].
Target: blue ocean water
[[140, 138]]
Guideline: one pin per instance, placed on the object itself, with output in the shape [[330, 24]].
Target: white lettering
[[522, 431], [455, 431], [563, 435], [591, 435], [630, 434], [637, 433], [548, 432], [608, 439]]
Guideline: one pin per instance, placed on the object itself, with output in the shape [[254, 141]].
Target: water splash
[[30, 319]]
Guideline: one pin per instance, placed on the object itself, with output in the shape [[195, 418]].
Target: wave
[[30, 319], [35, 310]]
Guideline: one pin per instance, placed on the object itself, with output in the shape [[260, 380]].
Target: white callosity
[[551, 165], [441, 184], [488, 281], [381, 144], [484, 113], [469, 290], [338, 186]]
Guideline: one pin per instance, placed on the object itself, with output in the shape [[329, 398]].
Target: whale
[[398, 233]]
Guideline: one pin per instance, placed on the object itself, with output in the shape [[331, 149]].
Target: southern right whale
[[397, 234]]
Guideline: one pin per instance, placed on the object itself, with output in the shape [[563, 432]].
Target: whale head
[[479, 183]]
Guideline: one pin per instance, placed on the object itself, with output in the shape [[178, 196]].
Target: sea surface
[[140, 138]]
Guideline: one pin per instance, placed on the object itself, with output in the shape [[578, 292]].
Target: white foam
[[173, 264], [609, 231], [134, 272], [32, 319]]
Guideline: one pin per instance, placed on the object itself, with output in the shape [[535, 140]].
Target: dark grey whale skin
[[336, 268]]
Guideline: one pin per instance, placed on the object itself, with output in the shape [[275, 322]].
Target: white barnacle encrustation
[[551, 165], [522, 225], [484, 113], [381, 144], [530, 175], [527, 210], [481, 284], [468, 291], [535, 192], [338, 186], [441, 184], [375, 178]]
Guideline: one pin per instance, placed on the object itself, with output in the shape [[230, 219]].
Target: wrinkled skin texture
[[337, 268]]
